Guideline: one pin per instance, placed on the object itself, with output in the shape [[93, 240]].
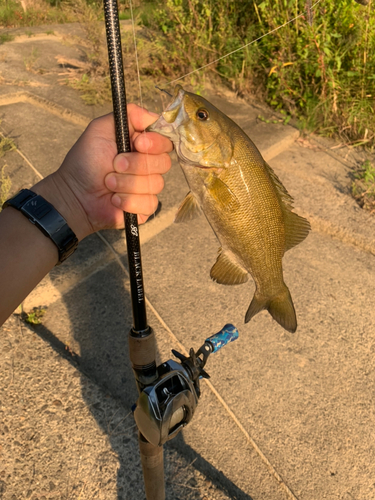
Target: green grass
[[5, 186], [5, 37], [363, 186], [40, 12], [34, 317], [6, 145]]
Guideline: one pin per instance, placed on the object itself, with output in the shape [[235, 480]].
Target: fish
[[244, 201]]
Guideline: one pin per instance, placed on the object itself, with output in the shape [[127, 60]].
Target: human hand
[[94, 185]]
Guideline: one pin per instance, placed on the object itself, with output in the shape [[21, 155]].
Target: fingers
[[140, 118], [134, 184], [142, 164], [141, 204], [152, 143]]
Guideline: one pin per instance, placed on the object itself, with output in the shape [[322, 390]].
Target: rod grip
[[153, 469], [142, 354]]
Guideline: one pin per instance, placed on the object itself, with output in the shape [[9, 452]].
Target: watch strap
[[46, 218]]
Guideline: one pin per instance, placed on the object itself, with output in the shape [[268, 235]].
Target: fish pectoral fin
[[188, 210], [221, 193], [227, 272], [280, 307]]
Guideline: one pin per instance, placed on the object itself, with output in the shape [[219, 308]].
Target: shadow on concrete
[[90, 331]]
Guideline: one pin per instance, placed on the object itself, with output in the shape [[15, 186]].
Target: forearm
[[26, 254]]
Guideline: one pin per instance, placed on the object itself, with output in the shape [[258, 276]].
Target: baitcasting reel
[[165, 407]]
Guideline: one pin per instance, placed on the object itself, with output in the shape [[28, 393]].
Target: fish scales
[[245, 203]]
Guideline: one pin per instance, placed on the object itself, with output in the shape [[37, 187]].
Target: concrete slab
[[62, 437], [29, 62], [28, 128], [321, 187], [20, 174]]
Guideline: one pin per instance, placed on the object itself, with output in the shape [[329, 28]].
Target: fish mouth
[[174, 116]]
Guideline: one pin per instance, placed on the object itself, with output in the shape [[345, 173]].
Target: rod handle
[[153, 469]]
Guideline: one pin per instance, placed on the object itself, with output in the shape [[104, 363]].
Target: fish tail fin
[[280, 307]]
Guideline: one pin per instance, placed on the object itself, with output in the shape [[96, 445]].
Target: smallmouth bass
[[244, 201]]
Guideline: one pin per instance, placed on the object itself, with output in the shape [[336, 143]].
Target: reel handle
[[227, 334]]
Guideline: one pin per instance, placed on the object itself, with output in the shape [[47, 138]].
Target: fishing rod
[[168, 394], [142, 348]]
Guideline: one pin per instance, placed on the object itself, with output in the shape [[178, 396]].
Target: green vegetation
[[6, 145], [34, 317], [363, 186], [38, 12], [5, 185], [30, 61], [323, 74], [5, 37]]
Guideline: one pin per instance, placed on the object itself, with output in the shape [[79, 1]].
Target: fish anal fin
[[280, 307], [227, 272], [188, 210]]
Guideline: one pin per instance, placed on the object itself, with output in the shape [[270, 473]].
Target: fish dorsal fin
[[226, 271], [296, 227], [281, 191], [188, 210]]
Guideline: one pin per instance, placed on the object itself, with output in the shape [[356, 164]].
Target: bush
[[322, 74]]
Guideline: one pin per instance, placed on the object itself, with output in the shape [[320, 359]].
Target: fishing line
[[136, 54], [247, 44], [140, 95]]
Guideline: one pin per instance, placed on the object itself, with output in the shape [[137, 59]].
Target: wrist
[[57, 192]]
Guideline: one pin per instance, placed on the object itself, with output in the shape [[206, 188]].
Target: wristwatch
[[47, 219]]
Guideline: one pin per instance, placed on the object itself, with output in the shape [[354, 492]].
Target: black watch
[[47, 219]]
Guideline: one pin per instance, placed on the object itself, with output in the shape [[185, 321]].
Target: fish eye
[[202, 114]]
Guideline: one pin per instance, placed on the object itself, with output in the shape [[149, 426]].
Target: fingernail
[[143, 142], [116, 200], [122, 164], [111, 182]]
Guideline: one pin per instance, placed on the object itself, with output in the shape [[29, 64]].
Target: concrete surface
[[283, 417]]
